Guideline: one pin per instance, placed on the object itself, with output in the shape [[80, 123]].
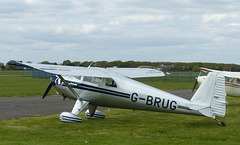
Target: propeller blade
[[196, 82], [48, 89]]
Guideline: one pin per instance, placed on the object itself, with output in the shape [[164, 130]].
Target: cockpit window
[[238, 81], [94, 80], [228, 79], [203, 73], [111, 83], [108, 82], [78, 77]]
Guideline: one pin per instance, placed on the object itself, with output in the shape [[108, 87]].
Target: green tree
[[76, 63], [195, 68], [46, 62], [2, 66], [68, 63]]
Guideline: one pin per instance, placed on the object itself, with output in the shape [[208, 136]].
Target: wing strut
[[78, 107], [69, 87]]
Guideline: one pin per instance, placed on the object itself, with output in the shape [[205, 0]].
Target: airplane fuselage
[[113, 87], [125, 93]]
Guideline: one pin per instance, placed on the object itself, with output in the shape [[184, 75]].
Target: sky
[[138, 30]]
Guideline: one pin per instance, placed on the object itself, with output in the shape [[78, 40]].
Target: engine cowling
[[69, 117]]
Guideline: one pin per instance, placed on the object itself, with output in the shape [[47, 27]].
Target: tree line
[[164, 66]]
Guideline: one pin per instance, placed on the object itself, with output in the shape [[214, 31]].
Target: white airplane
[[232, 80], [112, 87]]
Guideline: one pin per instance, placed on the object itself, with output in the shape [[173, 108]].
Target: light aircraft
[[113, 87], [232, 80]]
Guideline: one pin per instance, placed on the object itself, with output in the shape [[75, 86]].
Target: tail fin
[[210, 98]]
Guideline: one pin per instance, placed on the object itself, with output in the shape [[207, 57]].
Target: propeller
[[48, 89], [196, 82]]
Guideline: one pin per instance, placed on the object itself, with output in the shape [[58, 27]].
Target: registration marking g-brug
[[155, 101]]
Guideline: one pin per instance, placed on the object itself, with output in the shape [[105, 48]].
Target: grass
[[23, 86], [125, 127], [11, 72]]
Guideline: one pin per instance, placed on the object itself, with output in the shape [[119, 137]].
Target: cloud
[[219, 17], [144, 18], [234, 24], [121, 30]]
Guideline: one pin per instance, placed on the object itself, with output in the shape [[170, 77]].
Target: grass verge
[[125, 127], [11, 72], [23, 86]]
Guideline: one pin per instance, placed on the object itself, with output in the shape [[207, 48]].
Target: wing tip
[[18, 64]]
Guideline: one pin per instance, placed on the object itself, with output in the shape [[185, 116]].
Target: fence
[[36, 73], [181, 76], [169, 76], [174, 77]]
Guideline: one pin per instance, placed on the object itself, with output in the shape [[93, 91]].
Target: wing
[[137, 72], [225, 73], [63, 70], [92, 71], [208, 70]]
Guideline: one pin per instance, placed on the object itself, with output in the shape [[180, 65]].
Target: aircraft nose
[[201, 79], [53, 79]]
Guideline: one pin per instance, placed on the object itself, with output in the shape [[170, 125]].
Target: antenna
[[90, 64]]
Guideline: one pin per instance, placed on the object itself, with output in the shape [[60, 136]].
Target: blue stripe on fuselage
[[98, 89]]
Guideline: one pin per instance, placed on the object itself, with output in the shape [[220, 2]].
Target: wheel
[[222, 124]]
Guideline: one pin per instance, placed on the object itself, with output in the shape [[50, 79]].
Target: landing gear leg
[[220, 123]]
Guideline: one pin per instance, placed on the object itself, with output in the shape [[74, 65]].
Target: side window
[[111, 83], [78, 77], [228, 79], [94, 80], [88, 79], [238, 81], [203, 73]]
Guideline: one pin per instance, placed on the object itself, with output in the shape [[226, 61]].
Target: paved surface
[[16, 107], [187, 94]]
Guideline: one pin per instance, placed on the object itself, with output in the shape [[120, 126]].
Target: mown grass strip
[[125, 127], [23, 86], [10, 72]]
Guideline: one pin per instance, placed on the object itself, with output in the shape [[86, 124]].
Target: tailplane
[[210, 98]]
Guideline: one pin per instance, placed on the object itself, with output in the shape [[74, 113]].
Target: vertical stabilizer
[[210, 98]]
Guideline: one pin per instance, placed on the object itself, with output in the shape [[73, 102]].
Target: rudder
[[218, 103]]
